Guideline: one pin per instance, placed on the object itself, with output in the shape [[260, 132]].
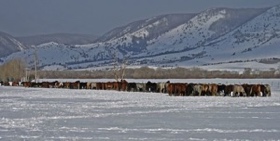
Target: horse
[[15, 83], [131, 87], [161, 87], [247, 89], [108, 85], [45, 85], [66, 85], [171, 89], [238, 90], [141, 87], [205, 90], [122, 85], [100, 86], [228, 90], [197, 90], [189, 89], [57, 84], [266, 90], [256, 90], [151, 87], [83, 85], [26, 84], [75, 85], [213, 89], [180, 89], [91, 85], [221, 89]]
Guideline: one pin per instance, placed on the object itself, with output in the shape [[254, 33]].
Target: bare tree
[[123, 67], [35, 64], [12, 70], [115, 66], [119, 66]]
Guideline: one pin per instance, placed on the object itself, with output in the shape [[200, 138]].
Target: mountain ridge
[[209, 37], [62, 38], [9, 44]]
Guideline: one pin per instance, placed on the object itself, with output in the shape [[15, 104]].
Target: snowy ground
[[60, 114]]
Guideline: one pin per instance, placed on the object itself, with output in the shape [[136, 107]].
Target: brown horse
[[205, 90], [66, 85], [180, 89], [123, 85], [100, 86], [45, 85], [247, 89], [109, 85], [26, 84], [75, 85], [213, 89], [171, 89], [177, 89], [256, 90]]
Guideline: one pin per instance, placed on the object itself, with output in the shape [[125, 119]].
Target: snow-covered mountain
[[9, 44], [213, 38], [62, 38]]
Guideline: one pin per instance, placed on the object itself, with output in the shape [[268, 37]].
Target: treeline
[[15, 70], [160, 73]]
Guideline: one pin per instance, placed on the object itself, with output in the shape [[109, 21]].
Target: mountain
[[61, 38], [215, 38], [9, 44], [154, 26]]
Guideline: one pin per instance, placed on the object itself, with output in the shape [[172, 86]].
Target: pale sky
[[32, 17]]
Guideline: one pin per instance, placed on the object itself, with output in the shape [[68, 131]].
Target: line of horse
[[172, 89]]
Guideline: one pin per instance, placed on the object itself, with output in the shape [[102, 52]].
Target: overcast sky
[[31, 17]]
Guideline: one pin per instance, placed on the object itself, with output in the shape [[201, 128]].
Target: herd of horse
[[173, 89]]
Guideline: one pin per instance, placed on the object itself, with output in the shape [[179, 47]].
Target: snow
[[49, 44], [20, 45], [53, 67], [191, 44], [61, 114], [188, 35]]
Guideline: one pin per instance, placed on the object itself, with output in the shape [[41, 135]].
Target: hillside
[[61, 38], [9, 44], [214, 38]]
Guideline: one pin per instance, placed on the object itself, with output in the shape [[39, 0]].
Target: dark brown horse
[[256, 90], [109, 86], [123, 85], [247, 89], [45, 85], [26, 84], [180, 89], [75, 85]]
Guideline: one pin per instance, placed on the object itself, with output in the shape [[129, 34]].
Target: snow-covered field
[[61, 114]]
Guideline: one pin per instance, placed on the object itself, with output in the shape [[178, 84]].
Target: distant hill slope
[[155, 26], [216, 36], [9, 44], [61, 38]]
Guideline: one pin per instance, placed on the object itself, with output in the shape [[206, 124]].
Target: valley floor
[[62, 114]]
